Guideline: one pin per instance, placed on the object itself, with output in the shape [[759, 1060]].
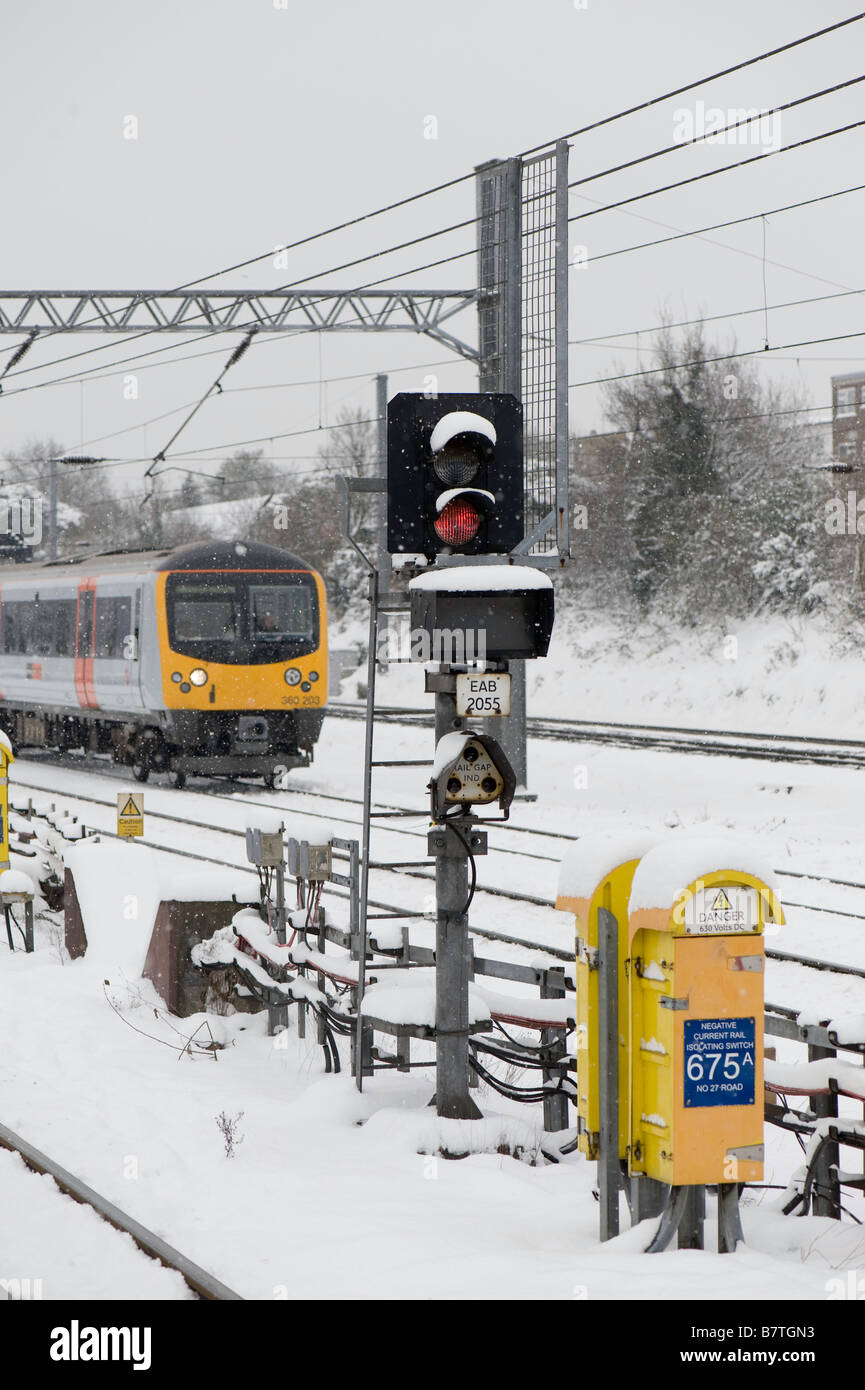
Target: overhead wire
[[714, 134], [714, 173], [702, 81], [720, 357], [577, 217], [473, 251], [732, 222], [23, 347], [709, 318], [591, 126]]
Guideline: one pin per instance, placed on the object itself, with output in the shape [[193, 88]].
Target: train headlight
[[176, 677], [198, 676], [313, 675], [293, 676]]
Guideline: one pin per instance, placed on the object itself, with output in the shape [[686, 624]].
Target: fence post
[[826, 1200], [555, 1107]]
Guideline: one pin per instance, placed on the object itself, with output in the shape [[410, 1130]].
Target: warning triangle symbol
[[722, 902], [130, 809]]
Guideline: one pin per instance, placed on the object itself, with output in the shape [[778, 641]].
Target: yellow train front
[[210, 659]]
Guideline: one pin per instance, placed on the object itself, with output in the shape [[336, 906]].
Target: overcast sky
[[258, 125]]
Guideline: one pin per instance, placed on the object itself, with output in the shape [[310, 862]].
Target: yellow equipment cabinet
[[6, 757], [597, 873], [695, 967]]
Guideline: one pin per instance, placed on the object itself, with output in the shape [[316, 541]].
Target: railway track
[[781, 748], [214, 791], [484, 890], [202, 1284]]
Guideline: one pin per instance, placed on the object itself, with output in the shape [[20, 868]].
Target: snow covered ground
[[339, 1195], [770, 676]]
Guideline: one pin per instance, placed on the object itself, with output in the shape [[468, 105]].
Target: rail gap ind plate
[[484, 696]]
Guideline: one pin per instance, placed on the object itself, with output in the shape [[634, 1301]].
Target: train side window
[[123, 626], [10, 627], [113, 620], [64, 627], [43, 624], [84, 644], [18, 622]]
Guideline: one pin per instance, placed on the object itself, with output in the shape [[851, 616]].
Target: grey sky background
[[259, 125]]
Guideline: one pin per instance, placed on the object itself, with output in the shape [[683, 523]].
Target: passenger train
[[210, 658]]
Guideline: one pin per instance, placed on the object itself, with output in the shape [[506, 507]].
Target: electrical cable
[[594, 125], [466, 843], [98, 374], [722, 357], [713, 173], [458, 226], [702, 81], [706, 318], [714, 134], [240, 349], [462, 255]]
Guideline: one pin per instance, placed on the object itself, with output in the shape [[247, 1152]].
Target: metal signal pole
[[453, 949]]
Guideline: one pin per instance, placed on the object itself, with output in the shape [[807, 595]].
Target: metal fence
[[523, 324]]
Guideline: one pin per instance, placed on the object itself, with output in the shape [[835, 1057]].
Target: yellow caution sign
[[130, 814]]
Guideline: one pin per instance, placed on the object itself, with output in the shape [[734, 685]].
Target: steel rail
[[793, 748], [196, 1278], [808, 962]]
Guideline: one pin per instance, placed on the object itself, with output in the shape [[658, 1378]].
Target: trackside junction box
[[6, 757], [689, 974], [696, 960], [596, 874]]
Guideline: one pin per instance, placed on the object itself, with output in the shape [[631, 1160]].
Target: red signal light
[[458, 522]]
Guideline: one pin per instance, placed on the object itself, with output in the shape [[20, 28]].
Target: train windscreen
[[242, 619]]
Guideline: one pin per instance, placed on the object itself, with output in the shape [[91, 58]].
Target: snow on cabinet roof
[[593, 857], [483, 578], [5, 743], [460, 422], [270, 822], [678, 861], [119, 889], [16, 881], [208, 885]]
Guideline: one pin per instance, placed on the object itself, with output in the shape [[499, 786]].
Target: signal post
[[455, 493]]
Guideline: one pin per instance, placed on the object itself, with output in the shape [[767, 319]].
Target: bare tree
[[721, 510]]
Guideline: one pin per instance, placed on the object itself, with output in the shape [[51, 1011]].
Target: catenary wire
[[594, 125]]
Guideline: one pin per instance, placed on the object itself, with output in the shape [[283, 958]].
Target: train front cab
[[243, 660]]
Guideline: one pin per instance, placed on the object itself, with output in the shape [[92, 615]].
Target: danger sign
[[731, 908], [130, 813]]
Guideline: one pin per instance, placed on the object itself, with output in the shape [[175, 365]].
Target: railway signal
[[454, 474]]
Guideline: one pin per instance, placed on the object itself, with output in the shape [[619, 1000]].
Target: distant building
[[819, 435], [848, 419]]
